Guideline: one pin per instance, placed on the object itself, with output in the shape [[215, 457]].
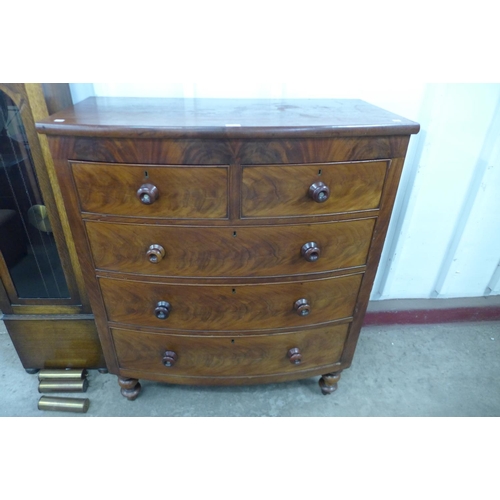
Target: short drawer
[[319, 189], [249, 355], [229, 251], [230, 307], [152, 191]]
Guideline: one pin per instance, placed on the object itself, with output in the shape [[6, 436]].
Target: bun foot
[[130, 387], [328, 382], [32, 371]]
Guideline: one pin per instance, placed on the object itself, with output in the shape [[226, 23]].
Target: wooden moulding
[[225, 118]]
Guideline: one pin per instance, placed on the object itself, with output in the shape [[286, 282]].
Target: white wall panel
[[405, 199], [444, 238], [475, 259], [453, 134], [80, 91], [493, 287]]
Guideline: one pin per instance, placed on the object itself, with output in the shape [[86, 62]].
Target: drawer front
[[230, 307], [229, 251], [182, 192], [225, 356], [281, 191]]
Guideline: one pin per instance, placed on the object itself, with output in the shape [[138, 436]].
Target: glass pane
[[26, 239]]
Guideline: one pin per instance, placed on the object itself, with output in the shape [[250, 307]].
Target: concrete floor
[[430, 370]]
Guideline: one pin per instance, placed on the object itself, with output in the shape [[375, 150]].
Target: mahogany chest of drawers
[[228, 241]]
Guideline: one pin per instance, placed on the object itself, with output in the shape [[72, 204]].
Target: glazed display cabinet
[[43, 301]]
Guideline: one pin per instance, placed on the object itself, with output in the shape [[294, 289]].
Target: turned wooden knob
[[148, 194], [294, 356], [302, 307], [319, 192], [310, 251], [169, 358], [163, 309], [155, 253]]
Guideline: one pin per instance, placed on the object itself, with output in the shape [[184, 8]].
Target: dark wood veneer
[[235, 151], [229, 307], [197, 192], [226, 357], [231, 251], [225, 118], [231, 294], [277, 191]]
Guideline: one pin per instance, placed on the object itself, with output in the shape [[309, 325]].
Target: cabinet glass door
[[27, 243]]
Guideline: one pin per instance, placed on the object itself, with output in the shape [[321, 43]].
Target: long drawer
[[229, 251], [230, 307], [180, 192], [248, 355], [318, 189]]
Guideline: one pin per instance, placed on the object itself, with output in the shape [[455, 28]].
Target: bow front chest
[[228, 241]]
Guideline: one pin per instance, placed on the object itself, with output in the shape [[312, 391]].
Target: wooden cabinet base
[[51, 341]]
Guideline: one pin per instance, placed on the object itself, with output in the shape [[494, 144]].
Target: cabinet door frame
[[32, 104]]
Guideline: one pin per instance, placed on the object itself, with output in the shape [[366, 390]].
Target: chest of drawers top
[[225, 118]]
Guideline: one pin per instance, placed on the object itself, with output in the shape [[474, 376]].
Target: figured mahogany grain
[[249, 355], [229, 251], [184, 192], [229, 151], [221, 286], [272, 191], [319, 150], [232, 307]]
